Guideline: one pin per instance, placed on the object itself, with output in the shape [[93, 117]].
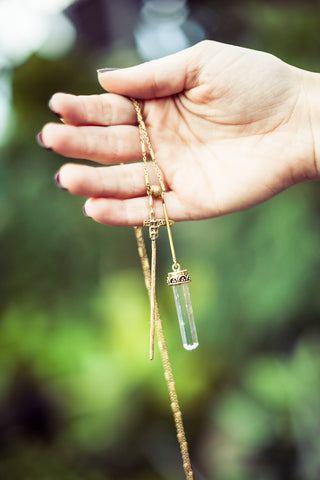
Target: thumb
[[157, 78]]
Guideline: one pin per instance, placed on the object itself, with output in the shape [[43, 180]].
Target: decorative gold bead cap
[[178, 277], [155, 190]]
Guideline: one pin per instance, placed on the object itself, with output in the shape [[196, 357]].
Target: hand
[[230, 128]]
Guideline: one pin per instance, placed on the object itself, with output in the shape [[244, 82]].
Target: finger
[[119, 181], [100, 144], [158, 78], [105, 109], [133, 211]]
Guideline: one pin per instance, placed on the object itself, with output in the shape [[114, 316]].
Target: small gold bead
[[155, 190]]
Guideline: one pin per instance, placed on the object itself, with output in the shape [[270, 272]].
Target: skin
[[230, 127]]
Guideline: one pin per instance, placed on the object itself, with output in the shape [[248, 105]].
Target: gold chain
[[149, 276], [145, 141], [153, 190]]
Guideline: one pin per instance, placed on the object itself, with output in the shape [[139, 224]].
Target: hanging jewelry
[[178, 278]]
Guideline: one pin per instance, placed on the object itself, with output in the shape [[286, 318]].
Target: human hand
[[230, 128]]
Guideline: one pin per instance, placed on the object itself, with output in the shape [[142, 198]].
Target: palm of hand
[[219, 144]]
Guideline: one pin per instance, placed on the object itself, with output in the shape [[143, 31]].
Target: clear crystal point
[[185, 316]]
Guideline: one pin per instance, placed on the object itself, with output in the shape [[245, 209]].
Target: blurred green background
[[79, 398]]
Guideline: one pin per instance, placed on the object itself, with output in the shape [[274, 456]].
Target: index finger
[[106, 109]]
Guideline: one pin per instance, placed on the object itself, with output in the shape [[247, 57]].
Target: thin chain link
[[145, 142]]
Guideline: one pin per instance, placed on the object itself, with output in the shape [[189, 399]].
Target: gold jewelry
[[178, 279]]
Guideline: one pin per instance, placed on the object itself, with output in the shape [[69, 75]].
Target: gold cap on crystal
[[178, 277]]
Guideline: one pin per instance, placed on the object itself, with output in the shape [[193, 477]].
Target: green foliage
[[78, 397], [289, 31]]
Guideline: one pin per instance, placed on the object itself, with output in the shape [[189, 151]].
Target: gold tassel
[[152, 297]]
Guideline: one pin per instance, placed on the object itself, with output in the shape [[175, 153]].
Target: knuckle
[[106, 110], [89, 144]]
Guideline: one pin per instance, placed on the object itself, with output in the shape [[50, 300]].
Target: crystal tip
[[191, 346]]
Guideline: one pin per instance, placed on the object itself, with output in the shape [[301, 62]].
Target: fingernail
[[84, 212], [103, 70], [57, 179], [53, 111], [40, 141]]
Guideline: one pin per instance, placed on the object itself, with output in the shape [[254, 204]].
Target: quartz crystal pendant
[[179, 281]]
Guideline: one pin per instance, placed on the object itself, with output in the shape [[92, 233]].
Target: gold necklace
[[178, 279]]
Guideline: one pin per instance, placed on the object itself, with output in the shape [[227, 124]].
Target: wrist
[[311, 87]]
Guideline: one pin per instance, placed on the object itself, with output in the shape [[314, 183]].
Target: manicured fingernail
[[53, 110], [103, 70], [40, 141], [84, 212], [57, 179]]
